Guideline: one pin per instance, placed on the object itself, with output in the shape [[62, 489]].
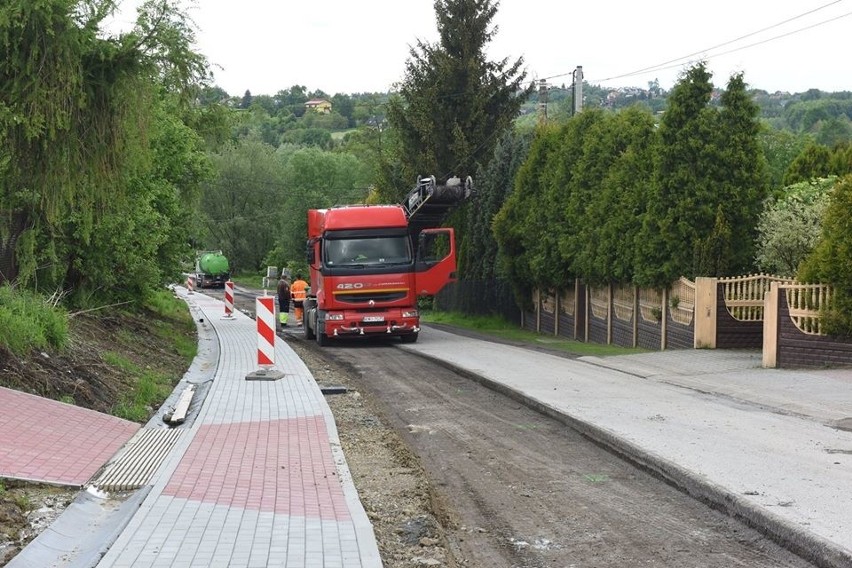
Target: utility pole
[[578, 89], [542, 101]]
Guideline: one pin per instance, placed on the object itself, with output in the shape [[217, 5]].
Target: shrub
[[790, 226]]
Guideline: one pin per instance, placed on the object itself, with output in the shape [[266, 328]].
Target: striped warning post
[[265, 316], [229, 300], [189, 284]]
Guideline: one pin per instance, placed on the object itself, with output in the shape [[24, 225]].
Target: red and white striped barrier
[[229, 300], [265, 316], [190, 284]]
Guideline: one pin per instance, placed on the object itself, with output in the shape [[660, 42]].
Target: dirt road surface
[[519, 489]]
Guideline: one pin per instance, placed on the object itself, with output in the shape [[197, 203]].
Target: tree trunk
[[11, 227]]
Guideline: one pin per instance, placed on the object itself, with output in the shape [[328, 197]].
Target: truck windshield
[[368, 251]]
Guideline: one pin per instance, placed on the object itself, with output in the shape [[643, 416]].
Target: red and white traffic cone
[[229, 300]]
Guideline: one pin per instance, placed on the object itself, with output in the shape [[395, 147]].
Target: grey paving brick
[[236, 515]]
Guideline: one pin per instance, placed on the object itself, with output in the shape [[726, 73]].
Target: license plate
[[374, 318]]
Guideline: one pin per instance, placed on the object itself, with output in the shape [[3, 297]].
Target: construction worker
[[299, 291], [283, 298]]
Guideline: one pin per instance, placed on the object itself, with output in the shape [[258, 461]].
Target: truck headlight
[[334, 317], [410, 314]]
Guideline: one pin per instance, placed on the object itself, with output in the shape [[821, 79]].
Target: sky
[[356, 46]]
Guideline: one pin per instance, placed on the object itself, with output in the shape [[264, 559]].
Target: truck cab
[[368, 269]]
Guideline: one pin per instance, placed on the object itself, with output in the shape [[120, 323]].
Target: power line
[[723, 44], [670, 64], [733, 50]]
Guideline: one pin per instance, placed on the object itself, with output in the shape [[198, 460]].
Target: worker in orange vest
[[298, 291]]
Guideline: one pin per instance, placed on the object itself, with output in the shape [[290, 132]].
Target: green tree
[[141, 239], [494, 183], [580, 165], [308, 137], [780, 148], [814, 161], [213, 121], [330, 121], [241, 207], [610, 228], [741, 182], [266, 102], [840, 163], [75, 110], [212, 95], [789, 226], [517, 226], [711, 183], [253, 124], [834, 131], [806, 115], [314, 179], [454, 103], [829, 262], [714, 252], [345, 107], [682, 206], [293, 100], [570, 184]]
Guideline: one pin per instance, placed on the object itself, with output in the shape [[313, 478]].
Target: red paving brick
[[53, 442], [279, 466]]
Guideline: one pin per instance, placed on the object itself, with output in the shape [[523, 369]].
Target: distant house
[[321, 106]]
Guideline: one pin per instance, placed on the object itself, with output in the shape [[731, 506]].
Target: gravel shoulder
[[408, 516]]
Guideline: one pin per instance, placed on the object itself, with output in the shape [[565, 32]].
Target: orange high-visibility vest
[[298, 290]]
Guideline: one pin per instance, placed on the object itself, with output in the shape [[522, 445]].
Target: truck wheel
[[306, 318], [322, 338], [409, 338]]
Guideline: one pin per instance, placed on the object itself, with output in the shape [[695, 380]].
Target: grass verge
[[149, 388], [172, 325], [253, 280], [29, 321], [498, 327]]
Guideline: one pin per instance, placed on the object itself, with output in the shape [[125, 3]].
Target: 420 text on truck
[[370, 263]]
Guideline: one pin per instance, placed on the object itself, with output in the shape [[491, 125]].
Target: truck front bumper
[[355, 329], [339, 324]]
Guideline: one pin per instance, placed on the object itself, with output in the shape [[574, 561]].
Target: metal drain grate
[[138, 461]]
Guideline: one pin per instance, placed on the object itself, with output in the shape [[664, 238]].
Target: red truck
[[370, 263]]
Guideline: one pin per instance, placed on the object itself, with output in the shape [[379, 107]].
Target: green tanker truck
[[211, 269]]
